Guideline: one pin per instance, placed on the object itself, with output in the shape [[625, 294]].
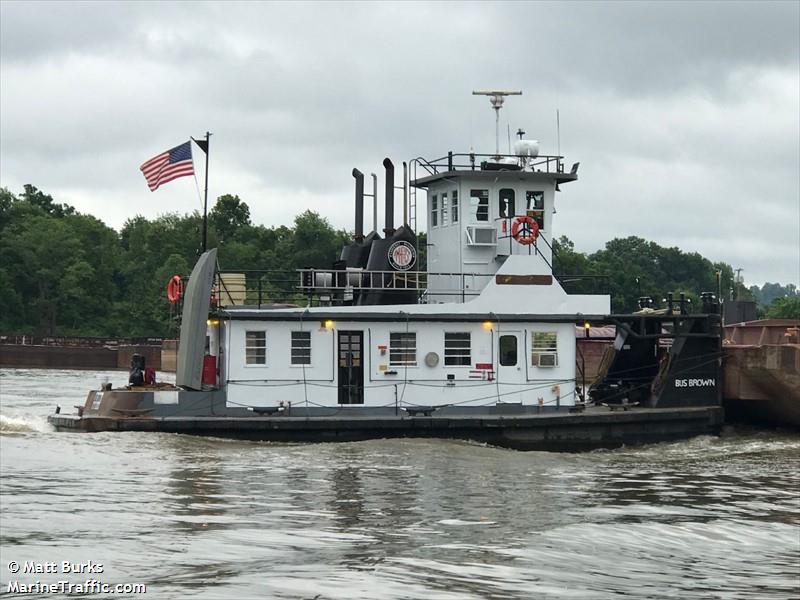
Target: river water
[[211, 518]]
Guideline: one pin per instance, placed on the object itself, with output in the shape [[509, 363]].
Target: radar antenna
[[496, 97]]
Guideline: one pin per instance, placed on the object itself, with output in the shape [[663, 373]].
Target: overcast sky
[[685, 117]]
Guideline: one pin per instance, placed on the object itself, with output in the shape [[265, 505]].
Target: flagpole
[[205, 200]]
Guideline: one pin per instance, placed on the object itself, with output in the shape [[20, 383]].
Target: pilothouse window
[[479, 204], [454, 206], [255, 347], [507, 203], [434, 210], [534, 205], [444, 209]]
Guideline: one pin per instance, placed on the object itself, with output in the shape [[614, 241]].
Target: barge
[[762, 372], [479, 344]]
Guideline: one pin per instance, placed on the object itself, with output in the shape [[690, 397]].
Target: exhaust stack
[[359, 233], [388, 230]]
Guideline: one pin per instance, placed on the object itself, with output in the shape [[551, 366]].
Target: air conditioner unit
[[481, 236], [547, 360]]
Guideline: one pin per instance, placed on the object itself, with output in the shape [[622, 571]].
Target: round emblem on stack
[[402, 256]]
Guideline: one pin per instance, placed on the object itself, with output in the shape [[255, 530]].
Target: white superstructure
[[492, 325]]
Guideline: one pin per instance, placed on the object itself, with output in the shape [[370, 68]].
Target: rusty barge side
[[762, 372]]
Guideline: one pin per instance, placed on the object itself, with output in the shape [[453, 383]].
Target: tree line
[[67, 273], [634, 267]]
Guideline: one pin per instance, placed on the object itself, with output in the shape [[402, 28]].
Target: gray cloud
[[684, 115]]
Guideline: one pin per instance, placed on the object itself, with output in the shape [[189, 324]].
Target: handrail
[[436, 166], [270, 287]]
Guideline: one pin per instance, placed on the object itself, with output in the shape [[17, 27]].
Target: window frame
[[511, 199], [443, 209], [293, 348], [542, 349], [402, 350], [434, 212], [451, 353], [454, 206], [537, 212], [262, 346], [482, 208]]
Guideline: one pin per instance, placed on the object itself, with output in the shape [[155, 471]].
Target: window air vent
[[548, 360], [481, 236]]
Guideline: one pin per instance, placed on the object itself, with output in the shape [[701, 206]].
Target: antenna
[[496, 97], [558, 131]]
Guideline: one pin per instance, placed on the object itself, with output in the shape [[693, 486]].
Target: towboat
[[479, 343]]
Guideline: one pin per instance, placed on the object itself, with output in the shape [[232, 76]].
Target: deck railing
[[328, 286], [475, 162]]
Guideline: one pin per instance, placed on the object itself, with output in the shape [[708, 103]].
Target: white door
[[510, 366]]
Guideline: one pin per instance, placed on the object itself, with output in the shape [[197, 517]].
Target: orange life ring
[[525, 229], [175, 289]]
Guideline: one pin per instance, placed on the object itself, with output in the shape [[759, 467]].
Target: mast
[[205, 199], [203, 145], [496, 97]]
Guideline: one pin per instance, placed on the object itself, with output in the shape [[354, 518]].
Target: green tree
[[314, 243], [44, 201], [228, 215], [7, 201], [632, 266], [770, 291], [61, 270], [576, 273], [787, 307]]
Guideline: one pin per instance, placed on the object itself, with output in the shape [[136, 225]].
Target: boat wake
[[23, 424]]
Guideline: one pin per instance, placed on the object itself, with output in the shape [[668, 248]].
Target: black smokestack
[[389, 229], [359, 235]]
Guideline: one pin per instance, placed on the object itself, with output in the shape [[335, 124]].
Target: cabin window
[[534, 205], [457, 349], [507, 203], [403, 349], [444, 207], [479, 204], [454, 206], [434, 210], [255, 347], [544, 349], [301, 347]]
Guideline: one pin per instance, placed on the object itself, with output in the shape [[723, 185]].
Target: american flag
[[169, 165]]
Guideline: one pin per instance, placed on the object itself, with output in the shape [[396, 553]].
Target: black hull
[[572, 432]]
